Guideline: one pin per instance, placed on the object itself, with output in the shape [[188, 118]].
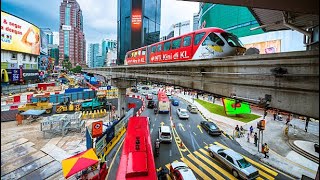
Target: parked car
[[151, 104], [210, 127], [182, 113], [235, 162], [175, 102], [192, 108], [149, 96], [179, 170], [165, 134]]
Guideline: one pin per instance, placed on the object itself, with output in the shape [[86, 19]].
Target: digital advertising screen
[[136, 24], [19, 35]]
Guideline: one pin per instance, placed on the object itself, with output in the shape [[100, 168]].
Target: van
[[165, 134], [192, 108]]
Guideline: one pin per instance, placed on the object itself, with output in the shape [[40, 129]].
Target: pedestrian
[[265, 114], [255, 139], [274, 115], [248, 137], [266, 150], [307, 123], [237, 131], [251, 130], [288, 120], [241, 131]]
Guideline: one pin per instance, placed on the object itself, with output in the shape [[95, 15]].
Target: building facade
[[179, 29], [93, 53], [72, 44], [196, 18], [138, 24]]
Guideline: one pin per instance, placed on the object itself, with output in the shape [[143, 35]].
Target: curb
[[207, 119]]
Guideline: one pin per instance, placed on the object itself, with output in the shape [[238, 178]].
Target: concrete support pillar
[[122, 84]]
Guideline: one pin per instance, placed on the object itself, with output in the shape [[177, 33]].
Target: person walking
[[274, 115], [241, 131], [307, 123], [266, 150], [288, 120], [251, 130], [237, 131], [248, 137], [255, 137]]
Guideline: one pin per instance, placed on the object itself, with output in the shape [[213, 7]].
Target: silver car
[[182, 113], [234, 161]]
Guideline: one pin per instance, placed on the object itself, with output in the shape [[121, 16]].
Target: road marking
[[181, 126], [152, 125], [274, 173], [194, 133], [200, 128], [218, 168], [175, 140], [168, 166], [115, 155], [205, 167], [162, 123], [170, 153], [151, 130], [195, 169], [205, 143]]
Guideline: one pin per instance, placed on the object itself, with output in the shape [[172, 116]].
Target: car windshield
[[183, 112], [231, 39], [212, 126], [243, 163]]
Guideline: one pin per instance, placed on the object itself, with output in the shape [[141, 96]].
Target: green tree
[[77, 69], [66, 64]]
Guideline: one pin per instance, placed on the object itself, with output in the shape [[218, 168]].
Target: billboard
[[19, 35], [44, 43], [136, 24], [66, 28], [232, 107], [266, 47]]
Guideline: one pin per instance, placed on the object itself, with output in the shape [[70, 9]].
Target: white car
[[235, 162], [182, 113], [179, 170]]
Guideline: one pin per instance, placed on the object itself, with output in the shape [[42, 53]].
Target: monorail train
[[204, 43]]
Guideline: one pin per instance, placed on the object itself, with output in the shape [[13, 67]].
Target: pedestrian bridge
[[286, 81]]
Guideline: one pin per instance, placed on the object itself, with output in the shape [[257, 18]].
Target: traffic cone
[[181, 144]]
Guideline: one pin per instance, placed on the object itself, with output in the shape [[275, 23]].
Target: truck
[[42, 104], [96, 103]]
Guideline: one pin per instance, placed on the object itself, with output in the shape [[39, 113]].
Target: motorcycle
[[155, 110], [157, 152]]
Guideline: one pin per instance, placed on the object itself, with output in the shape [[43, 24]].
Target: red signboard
[[97, 129]]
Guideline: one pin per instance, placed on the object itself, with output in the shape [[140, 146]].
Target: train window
[[153, 49], [176, 43], [159, 47], [187, 41], [231, 39], [143, 52], [198, 37], [213, 39], [139, 53], [167, 46]]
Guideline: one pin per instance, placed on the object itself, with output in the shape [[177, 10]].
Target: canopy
[[33, 112], [79, 162]]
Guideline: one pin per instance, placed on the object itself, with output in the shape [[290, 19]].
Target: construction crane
[[71, 80]]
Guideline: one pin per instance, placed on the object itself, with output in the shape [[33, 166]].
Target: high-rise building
[[138, 24], [179, 29], [72, 44], [92, 55], [196, 18], [108, 45]]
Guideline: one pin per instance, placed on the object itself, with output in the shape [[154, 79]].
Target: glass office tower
[[138, 24]]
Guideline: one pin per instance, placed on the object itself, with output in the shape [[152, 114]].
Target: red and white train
[[136, 161], [200, 44]]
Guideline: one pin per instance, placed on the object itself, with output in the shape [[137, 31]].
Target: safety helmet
[[157, 140]]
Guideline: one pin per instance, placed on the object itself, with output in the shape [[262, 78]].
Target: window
[[176, 43], [230, 159], [159, 47], [213, 39], [232, 40], [153, 49], [139, 53], [24, 56], [243, 163], [143, 52], [198, 37], [167, 46], [30, 58], [187, 41], [14, 56], [222, 154]]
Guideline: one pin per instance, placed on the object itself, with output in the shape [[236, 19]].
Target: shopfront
[[30, 75]]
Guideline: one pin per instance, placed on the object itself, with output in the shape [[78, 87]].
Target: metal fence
[[16, 88]]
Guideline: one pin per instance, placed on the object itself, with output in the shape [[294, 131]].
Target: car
[[210, 127], [155, 92], [240, 167], [175, 102], [144, 93], [149, 96], [179, 170], [165, 134], [192, 108], [151, 104], [182, 113]]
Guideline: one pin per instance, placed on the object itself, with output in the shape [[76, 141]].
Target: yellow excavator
[[71, 80], [67, 105], [43, 103]]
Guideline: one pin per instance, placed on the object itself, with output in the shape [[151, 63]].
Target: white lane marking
[[151, 131], [170, 153], [152, 125]]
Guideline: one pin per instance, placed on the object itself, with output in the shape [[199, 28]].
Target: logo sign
[[108, 87], [15, 75], [66, 28], [97, 129]]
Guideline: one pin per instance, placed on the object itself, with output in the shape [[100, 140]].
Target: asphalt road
[[193, 151]]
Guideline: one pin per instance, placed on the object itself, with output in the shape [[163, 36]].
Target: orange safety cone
[[181, 144]]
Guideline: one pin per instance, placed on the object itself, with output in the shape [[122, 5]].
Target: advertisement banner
[[266, 47], [136, 24], [66, 28], [19, 35], [44, 43], [15, 75], [30, 74]]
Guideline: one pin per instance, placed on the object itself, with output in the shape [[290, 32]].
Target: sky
[[100, 16]]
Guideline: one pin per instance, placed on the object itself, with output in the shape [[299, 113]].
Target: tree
[[66, 64], [77, 69]]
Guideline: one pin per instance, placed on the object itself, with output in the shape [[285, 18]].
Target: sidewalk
[[282, 157]]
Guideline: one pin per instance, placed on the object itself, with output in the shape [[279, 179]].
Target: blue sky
[[100, 16]]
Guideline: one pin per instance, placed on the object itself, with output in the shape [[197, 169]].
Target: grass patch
[[217, 109]]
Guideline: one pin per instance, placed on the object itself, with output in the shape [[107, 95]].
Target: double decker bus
[[163, 102], [204, 43], [137, 161]]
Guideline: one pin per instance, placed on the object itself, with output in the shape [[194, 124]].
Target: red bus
[[163, 102], [136, 161], [204, 43]]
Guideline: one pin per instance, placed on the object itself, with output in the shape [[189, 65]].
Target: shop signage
[[15, 75]]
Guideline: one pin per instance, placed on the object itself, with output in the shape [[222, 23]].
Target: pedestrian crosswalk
[[207, 168]]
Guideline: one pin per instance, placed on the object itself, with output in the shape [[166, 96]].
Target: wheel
[[235, 173], [211, 154], [48, 111]]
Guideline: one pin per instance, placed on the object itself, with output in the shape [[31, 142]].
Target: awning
[[33, 112]]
